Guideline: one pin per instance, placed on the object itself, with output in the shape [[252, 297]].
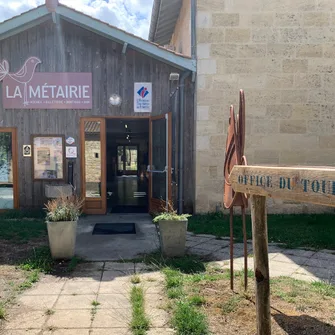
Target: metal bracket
[[124, 48], [54, 17]]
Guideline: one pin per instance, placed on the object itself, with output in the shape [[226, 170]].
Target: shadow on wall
[[303, 324]]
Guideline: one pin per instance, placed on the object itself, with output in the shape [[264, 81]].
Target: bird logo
[[23, 76]]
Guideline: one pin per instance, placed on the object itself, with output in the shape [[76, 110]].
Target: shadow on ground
[[303, 325]]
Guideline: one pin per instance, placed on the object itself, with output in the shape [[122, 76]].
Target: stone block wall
[[282, 53]]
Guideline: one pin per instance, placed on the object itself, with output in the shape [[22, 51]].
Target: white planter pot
[[172, 236], [62, 239]]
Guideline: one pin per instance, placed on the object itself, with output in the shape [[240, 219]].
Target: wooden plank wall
[[69, 48]]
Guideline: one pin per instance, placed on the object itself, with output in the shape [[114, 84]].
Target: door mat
[[114, 228]]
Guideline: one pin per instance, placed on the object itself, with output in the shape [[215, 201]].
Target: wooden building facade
[[66, 41]]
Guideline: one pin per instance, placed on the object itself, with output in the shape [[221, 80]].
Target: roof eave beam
[[23, 22]]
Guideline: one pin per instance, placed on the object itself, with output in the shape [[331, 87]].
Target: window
[[48, 157]]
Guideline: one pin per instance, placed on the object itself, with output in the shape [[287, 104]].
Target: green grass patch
[[140, 323], [300, 292], [324, 289], [40, 260], [303, 230], [135, 279], [175, 293], [22, 230], [197, 300], [2, 312], [186, 264], [188, 320], [231, 304]]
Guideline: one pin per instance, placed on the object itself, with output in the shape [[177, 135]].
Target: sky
[[130, 15]]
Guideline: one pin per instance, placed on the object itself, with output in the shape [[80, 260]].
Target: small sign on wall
[[26, 150], [71, 152], [142, 97], [70, 140]]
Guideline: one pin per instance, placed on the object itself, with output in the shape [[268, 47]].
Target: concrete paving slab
[[71, 302], [321, 263], [22, 332], [80, 287], [90, 267], [76, 318], [111, 331], [298, 252], [68, 332], [210, 247], [112, 318], [113, 301], [26, 320], [94, 276], [326, 256], [45, 289], [119, 286], [321, 273], [36, 303], [127, 267], [115, 275], [290, 259]]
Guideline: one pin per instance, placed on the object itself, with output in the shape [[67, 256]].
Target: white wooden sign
[[302, 184], [142, 97]]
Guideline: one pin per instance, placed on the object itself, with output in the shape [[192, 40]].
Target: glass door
[[93, 165], [8, 169], [127, 159], [160, 159]]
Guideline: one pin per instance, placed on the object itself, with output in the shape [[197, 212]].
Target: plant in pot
[[172, 231], [62, 217]]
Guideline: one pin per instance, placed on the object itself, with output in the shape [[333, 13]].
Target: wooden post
[[261, 264]]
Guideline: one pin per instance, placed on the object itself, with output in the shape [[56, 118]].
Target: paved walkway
[[297, 263], [116, 247], [63, 306]]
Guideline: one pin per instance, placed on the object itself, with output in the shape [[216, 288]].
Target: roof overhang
[[40, 14], [164, 17]]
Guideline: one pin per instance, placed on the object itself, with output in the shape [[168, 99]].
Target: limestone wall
[[282, 53], [181, 38]]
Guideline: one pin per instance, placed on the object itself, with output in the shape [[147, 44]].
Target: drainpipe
[[181, 141]]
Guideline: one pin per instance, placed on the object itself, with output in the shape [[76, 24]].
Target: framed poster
[[48, 157]]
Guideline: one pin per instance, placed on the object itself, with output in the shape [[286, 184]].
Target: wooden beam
[[261, 264], [302, 184]]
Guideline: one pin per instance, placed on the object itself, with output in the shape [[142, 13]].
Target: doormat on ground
[[114, 228]]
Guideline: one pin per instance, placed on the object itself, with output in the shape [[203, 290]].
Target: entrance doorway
[[126, 164], [127, 145], [8, 169]]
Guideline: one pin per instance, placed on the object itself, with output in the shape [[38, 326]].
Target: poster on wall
[[142, 97], [71, 152], [26, 150], [48, 157]]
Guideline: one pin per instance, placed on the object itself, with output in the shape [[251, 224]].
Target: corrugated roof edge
[[107, 24]]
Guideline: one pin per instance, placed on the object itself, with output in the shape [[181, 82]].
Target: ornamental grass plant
[[64, 208]]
